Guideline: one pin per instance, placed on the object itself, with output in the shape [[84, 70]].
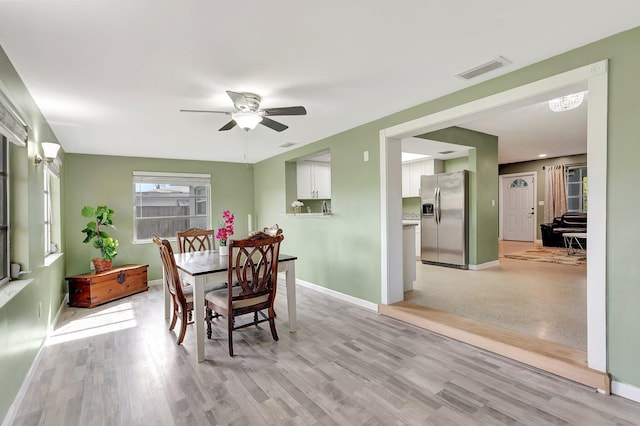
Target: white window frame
[[51, 206], [582, 196], [176, 179], [4, 205]]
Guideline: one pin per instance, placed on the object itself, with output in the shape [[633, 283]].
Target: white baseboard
[[22, 392], [625, 390], [484, 265], [155, 282], [345, 297]]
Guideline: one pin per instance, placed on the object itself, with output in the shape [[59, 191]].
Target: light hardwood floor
[[119, 365]]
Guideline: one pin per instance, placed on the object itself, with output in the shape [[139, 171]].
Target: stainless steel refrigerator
[[444, 231]]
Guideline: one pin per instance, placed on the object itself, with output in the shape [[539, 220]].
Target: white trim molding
[[625, 390], [595, 77], [344, 297], [484, 265]]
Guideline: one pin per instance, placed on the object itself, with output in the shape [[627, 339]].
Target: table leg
[[198, 315], [290, 276]]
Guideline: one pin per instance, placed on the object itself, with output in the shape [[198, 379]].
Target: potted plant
[[297, 206], [101, 218], [225, 232]]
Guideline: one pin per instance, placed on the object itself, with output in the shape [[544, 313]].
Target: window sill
[[308, 215], [10, 289], [50, 259]]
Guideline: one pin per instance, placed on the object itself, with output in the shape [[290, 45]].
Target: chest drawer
[[93, 289]]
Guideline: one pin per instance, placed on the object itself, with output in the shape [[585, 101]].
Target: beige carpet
[[551, 255]]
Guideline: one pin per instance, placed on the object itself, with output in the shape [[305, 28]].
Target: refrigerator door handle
[[437, 206]]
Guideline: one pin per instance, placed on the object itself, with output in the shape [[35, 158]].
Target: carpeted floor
[[551, 255]]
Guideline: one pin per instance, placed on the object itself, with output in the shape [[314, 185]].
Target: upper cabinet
[[314, 179], [411, 173]]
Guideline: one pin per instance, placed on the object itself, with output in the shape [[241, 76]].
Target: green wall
[[97, 180], [22, 330], [343, 252], [538, 167], [456, 164]]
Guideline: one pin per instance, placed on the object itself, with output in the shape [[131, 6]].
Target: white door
[[518, 208]]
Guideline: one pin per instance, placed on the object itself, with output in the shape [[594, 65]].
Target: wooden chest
[[93, 289]]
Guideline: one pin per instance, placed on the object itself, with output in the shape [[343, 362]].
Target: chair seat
[[221, 298], [188, 289]]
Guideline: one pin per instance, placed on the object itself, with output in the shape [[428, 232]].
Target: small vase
[[297, 210], [101, 265], [223, 250]]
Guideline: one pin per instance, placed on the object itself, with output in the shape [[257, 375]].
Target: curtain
[[555, 193]]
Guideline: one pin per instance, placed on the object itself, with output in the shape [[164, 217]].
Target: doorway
[[595, 76], [517, 207]]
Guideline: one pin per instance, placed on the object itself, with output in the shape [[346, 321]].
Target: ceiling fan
[[248, 113]]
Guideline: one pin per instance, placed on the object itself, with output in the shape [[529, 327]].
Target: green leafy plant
[[102, 217]]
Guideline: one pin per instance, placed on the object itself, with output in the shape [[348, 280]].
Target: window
[[166, 203], [518, 183], [51, 207], [576, 178], [4, 210]]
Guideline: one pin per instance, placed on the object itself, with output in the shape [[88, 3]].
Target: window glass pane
[[518, 183], [574, 189], [167, 208], [573, 204]]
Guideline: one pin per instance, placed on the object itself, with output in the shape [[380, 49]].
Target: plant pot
[[223, 250], [101, 265]]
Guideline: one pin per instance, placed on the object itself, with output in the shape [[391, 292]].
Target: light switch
[[493, 203], [366, 156], [541, 203]]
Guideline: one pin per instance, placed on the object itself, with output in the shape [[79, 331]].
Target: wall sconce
[[50, 152]]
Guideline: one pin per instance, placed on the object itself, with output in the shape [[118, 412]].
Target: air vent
[[446, 152], [484, 68], [286, 145]]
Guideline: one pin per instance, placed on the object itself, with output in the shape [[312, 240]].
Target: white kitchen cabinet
[[418, 243], [411, 173], [313, 180]]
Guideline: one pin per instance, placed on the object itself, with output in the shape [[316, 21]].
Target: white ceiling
[[524, 133], [111, 75]]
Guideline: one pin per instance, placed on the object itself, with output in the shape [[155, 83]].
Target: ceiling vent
[[286, 145], [484, 68]]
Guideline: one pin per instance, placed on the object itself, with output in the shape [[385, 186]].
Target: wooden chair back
[[253, 267], [172, 277], [195, 239]]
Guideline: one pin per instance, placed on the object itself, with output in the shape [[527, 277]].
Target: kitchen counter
[[408, 258]]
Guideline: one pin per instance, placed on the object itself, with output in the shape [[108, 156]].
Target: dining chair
[[195, 239], [253, 270], [182, 303]]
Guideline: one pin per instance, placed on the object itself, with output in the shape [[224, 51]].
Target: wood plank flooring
[[558, 359], [119, 365]]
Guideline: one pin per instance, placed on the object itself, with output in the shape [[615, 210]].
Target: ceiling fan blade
[[239, 100], [203, 110], [272, 124], [230, 125], [294, 110]]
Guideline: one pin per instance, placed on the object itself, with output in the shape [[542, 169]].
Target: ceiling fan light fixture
[[246, 120], [565, 103]]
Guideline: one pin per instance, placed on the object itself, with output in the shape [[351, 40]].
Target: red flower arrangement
[[226, 231]]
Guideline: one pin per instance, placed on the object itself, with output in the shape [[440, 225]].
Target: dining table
[[200, 268]]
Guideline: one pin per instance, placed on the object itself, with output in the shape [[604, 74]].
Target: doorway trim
[[595, 76], [534, 175]]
